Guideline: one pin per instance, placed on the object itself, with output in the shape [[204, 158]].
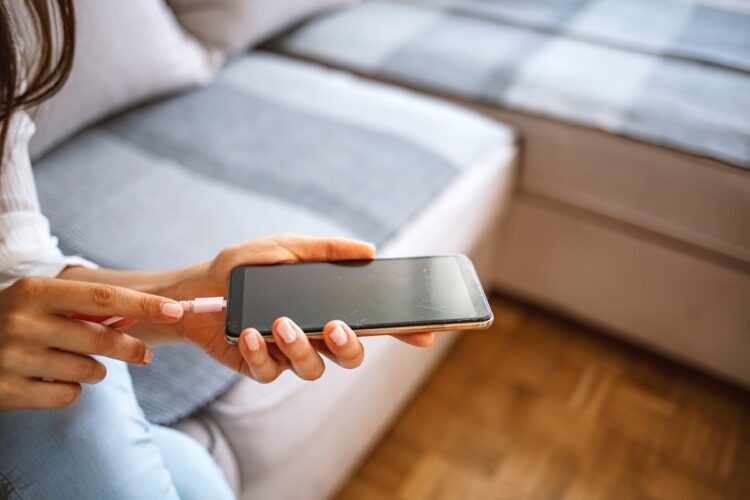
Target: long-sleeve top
[[27, 248]]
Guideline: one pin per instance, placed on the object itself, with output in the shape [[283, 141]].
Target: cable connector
[[204, 304]]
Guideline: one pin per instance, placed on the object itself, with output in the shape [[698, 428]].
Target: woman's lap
[[102, 447]]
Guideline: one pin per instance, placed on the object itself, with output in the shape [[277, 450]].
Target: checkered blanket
[[671, 73]]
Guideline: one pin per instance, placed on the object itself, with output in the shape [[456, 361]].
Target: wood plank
[[541, 407]]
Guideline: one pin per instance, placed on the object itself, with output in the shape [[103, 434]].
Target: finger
[[307, 248], [41, 394], [261, 366], [95, 299], [59, 366], [83, 337], [296, 347], [419, 339], [344, 344]]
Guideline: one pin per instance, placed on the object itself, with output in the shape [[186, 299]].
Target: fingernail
[[251, 341], [286, 331], [171, 309], [147, 356], [339, 336]]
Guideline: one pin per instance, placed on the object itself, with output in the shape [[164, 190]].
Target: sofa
[[317, 131], [632, 206]]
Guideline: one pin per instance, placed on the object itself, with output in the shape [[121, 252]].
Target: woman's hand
[[48, 330], [292, 349]]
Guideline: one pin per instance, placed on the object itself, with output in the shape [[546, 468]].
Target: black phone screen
[[380, 293]]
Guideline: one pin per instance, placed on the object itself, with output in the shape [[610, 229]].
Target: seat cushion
[[274, 145], [665, 72]]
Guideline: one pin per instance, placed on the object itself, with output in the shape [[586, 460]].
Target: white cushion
[[126, 52], [234, 25]]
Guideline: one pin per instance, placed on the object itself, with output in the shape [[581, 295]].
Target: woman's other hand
[[291, 349], [49, 330]]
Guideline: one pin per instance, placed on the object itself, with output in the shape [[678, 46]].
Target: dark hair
[[48, 27]]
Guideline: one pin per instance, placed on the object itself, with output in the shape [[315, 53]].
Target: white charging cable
[[204, 304]]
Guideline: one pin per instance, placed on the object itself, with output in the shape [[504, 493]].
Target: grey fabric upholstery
[[669, 73]]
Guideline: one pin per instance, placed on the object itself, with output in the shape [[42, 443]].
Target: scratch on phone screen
[[440, 309]]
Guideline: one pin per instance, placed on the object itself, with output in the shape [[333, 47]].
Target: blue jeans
[[102, 447]]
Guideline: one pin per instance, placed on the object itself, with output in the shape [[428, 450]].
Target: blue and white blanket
[[671, 73]]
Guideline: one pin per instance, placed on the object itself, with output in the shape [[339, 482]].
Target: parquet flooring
[[539, 407]]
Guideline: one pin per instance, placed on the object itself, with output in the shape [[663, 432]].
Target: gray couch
[[633, 201], [596, 218]]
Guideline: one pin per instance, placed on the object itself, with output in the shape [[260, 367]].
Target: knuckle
[[266, 378], [89, 370], [228, 258], [230, 250], [104, 340], [330, 250], [301, 356], [263, 369], [229, 253], [313, 373], [7, 392], [353, 360], [148, 306], [14, 359], [103, 295], [14, 323], [66, 395], [100, 372], [26, 286], [138, 352]]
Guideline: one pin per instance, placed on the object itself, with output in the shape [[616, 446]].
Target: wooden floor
[[542, 408]]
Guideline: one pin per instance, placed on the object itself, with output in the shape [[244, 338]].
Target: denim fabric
[[102, 447]]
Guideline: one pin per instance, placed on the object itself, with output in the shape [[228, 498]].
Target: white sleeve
[[27, 248]]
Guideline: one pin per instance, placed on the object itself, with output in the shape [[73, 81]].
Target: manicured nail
[[147, 356], [251, 340], [286, 331], [171, 309], [339, 336]]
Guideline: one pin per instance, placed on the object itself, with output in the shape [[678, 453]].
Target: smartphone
[[374, 297]]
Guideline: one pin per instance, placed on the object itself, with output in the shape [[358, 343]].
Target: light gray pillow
[[235, 25], [127, 51]]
